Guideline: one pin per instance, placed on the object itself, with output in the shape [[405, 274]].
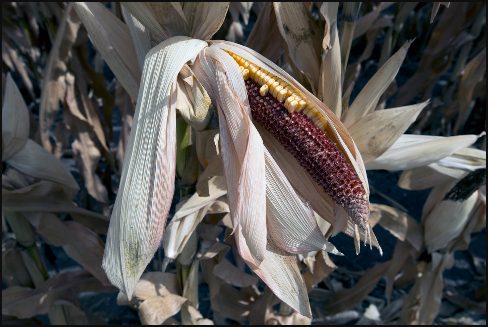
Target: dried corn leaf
[[449, 34], [14, 272], [204, 18], [231, 274], [81, 244], [152, 284], [140, 35], [303, 39], [377, 131], [47, 196], [322, 268], [467, 158], [24, 302], [473, 72], [37, 162], [424, 299], [435, 9], [127, 109], [15, 120], [412, 151], [263, 37], [53, 85], [155, 310], [425, 177], [112, 38], [402, 255], [87, 154], [369, 96], [331, 83], [347, 298]]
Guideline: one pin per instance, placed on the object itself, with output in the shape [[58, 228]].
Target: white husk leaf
[[147, 183]]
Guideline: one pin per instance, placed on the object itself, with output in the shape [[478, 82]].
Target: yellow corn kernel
[[301, 105], [297, 97], [312, 112], [281, 96], [241, 68], [256, 76], [264, 90], [276, 90], [307, 107], [293, 106], [270, 82], [246, 64], [238, 58], [290, 90], [288, 100], [245, 73], [284, 84], [322, 123], [316, 118], [253, 71], [266, 79]]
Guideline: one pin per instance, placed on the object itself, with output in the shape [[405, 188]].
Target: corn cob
[[302, 130]]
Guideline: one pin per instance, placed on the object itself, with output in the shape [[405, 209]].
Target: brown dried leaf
[[425, 177], [424, 299], [24, 302], [205, 18], [87, 154], [473, 72], [112, 38], [53, 87], [231, 274], [348, 298], [435, 9], [377, 131], [449, 34], [152, 284], [303, 38], [322, 268], [14, 272], [47, 196], [155, 310], [81, 244], [264, 35]]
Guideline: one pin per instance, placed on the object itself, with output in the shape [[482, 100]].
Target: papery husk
[[299, 179], [147, 183], [446, 220]]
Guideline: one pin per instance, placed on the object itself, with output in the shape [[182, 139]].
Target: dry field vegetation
[[142, 183]]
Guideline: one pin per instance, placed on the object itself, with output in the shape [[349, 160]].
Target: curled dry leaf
[[152, 284], [112, 38], [263, 38], [369, 96], [24, 302], [53, 87], [47, 196], [425, 177], [155, 310], [204, 18], [424, 299], [15, 120], [412, 151], [303, 37], [376, 132], [347, 298]]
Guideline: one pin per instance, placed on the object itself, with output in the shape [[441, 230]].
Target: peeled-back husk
[[147, 183]]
